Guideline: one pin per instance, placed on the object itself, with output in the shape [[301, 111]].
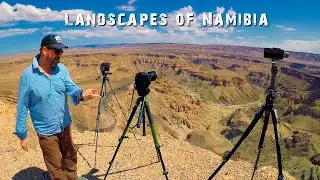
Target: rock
[[231, 133], [209, 141], [315, 160]]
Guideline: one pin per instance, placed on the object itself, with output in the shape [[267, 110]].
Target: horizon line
[[115, 44]]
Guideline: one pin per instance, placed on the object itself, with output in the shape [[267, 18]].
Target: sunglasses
[[56, 51]]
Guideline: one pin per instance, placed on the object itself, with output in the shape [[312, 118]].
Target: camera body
[[143, 80], [275, 53], [104, 67]]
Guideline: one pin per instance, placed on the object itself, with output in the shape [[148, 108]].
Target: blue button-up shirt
[[46, 98]]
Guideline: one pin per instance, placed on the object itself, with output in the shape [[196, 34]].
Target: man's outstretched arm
[[22, 112], [76, 93]]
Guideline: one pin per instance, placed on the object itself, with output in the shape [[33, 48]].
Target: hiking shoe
[[45, 176]]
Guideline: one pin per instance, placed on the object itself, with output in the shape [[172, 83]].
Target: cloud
[[140, 35], [260, 36], [194, 33], [287, 45], [127, 7], [16, 32], [220, 10], [301, 45], [46, 28], [24, 31], [232, 12], [9, 15], [130, 2], [284, 28], [195, 27], [172, 25], [111, 32], [171, 33], [241, 38], [6, 24]]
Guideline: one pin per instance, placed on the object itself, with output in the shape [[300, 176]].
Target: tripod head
[[104, 68]]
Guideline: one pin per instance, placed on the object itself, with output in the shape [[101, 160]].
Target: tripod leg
[[261, 145], [244, 135], [123, 135], [141, 113], [96, 138], [155, 139], [275, 121], [144, 122]]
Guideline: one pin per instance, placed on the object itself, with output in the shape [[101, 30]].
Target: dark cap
[[53, 41]]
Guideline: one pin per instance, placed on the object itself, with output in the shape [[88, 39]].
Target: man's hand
[[90, 93], [24, 144]]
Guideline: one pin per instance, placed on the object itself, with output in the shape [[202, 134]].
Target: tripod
[[145, 108], [103, 92], [267, 109]]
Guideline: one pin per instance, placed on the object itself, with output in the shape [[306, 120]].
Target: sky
[[292, 26]]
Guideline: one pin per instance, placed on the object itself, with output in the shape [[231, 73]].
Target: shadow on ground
[[91, 176], [31, 173]]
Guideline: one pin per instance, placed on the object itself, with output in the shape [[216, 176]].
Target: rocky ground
[[136, 159]]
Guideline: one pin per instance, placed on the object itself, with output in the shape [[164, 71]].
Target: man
[[44, 89]]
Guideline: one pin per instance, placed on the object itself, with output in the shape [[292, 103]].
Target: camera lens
[[152, 75]]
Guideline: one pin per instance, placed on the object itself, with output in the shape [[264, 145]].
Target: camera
[[143, 80], [275, 53], [104, 67]]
